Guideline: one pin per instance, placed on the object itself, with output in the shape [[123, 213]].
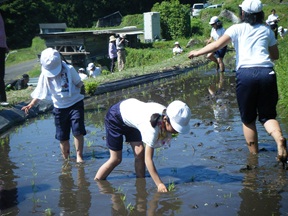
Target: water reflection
[[203, 164], [75, 196], [159, 204], [262, 195], [8, 185]]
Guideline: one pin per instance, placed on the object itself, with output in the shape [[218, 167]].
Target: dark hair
[[155, 117], [219, 24], [25, 76], [253, 18]]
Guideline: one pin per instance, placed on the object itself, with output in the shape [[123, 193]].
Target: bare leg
[[138, 150], [114, 160], [273, 128], [251, 136], [212, 58], [79, 143], [65, 148], [221, 64]]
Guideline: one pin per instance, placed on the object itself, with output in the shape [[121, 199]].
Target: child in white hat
[[150, 123], [61, 83]]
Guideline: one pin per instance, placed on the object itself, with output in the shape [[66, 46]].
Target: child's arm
[[152, 169], [30, 105]]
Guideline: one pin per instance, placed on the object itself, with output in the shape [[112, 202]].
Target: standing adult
[[272, 21], [112, 52], [216, 32], [3, 51], [121, 52], [256, 89], [61, 83]]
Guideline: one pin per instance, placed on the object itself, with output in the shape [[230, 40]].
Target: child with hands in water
[[256, 89], [142, 123]]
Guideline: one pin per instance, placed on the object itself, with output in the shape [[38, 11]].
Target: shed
[[113, 19], [52, 27], [79, 47]]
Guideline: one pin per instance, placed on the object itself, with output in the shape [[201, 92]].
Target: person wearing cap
[[112, 52], [142, 123], [256, 85], [93, 71], [121, 52], [282, 31], [61, 83], [216, 32], [177, 49], [272, 21]]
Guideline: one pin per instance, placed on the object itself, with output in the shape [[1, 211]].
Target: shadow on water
[[209, 169]]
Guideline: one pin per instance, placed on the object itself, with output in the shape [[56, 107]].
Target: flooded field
[[209, 170]]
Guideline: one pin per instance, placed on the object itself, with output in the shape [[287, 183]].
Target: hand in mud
[[162, 188]]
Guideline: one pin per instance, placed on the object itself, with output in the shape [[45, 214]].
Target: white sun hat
[[50, 62], [179, 114], [213, 20], [251, 6]]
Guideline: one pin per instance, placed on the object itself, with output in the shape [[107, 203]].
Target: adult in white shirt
[[272, 21], [256, 89], [150, 123], [216, 32]]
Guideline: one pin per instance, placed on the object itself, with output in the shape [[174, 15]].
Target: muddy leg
[[251, 136]]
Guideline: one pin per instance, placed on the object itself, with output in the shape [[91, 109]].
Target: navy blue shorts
[[116, 129], [257, 93], [69, 118], [221, 52]]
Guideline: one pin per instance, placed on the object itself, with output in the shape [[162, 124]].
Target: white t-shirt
[[271, 19], [251, 44], [61, 89], [177, 50], [217, 33], [94, 73], [137, 114]]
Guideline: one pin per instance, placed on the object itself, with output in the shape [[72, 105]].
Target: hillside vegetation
[[158, 56]]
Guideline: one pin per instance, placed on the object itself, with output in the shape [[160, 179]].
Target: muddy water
[[209, 170]]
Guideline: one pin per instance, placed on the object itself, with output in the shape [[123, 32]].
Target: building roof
[[52, 25]]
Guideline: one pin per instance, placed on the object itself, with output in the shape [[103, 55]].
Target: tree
[[174, 19]]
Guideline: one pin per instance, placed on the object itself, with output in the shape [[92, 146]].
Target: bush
[[175, 19], [90, 86]]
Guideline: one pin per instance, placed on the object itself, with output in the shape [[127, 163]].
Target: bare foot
[[282, 152]]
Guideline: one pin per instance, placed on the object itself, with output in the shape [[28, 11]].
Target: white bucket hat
[[179, 114], [90, 66], [51, 62], [251, 6], [213, 20], [176, 43]]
